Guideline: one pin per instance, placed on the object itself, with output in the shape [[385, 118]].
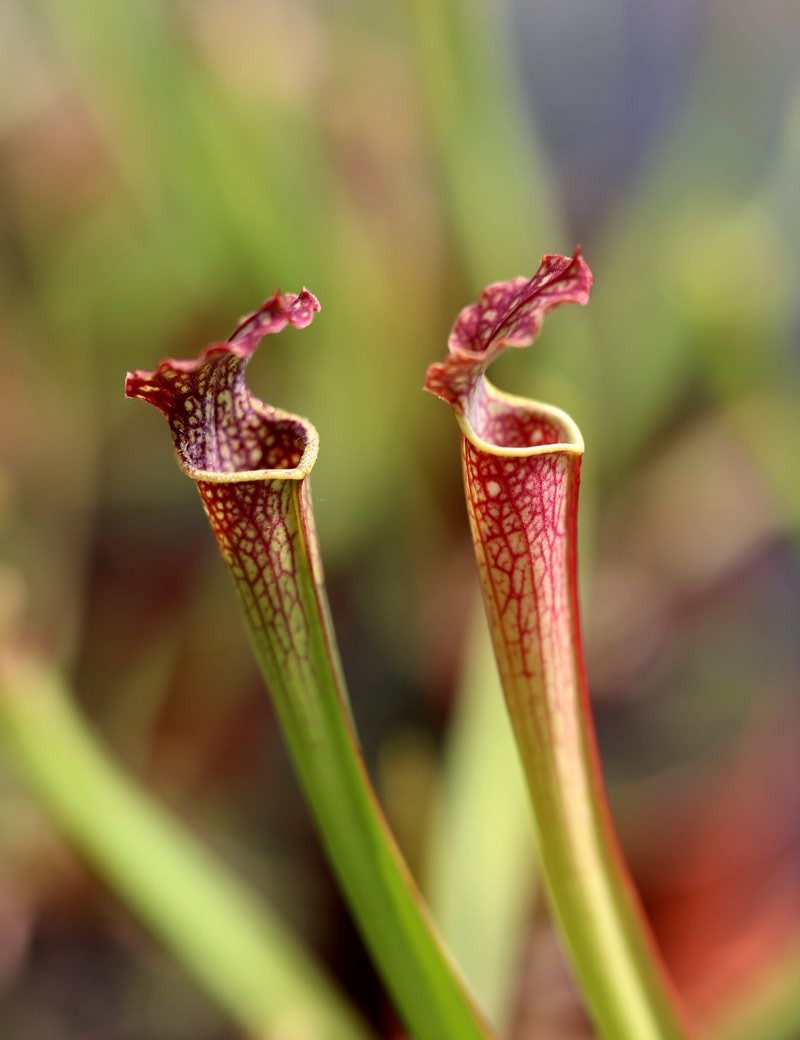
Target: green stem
[[227, 940], [308, 690]]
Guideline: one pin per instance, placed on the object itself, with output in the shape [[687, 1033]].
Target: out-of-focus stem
[[480, 897], [769, 1009], [473, 102], [227, 940]]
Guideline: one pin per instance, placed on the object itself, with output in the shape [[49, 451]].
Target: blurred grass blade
[[251, 464], [239, 953], [502, 200], [186, 149], [495, 182], [481, 890]]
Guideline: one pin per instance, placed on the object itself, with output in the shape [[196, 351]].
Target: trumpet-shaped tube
[[251, 463], [521, 463]]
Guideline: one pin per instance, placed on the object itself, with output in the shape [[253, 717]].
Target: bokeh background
[[164, 165]]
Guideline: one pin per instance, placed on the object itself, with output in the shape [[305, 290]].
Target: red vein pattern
[[523, 517], [217, 425], [521, 463], [251, 464], [507, 314], [249, 461]]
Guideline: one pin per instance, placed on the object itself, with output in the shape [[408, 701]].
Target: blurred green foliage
[[164, 165]]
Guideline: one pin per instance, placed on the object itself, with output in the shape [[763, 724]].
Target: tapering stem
[[307, 687]]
